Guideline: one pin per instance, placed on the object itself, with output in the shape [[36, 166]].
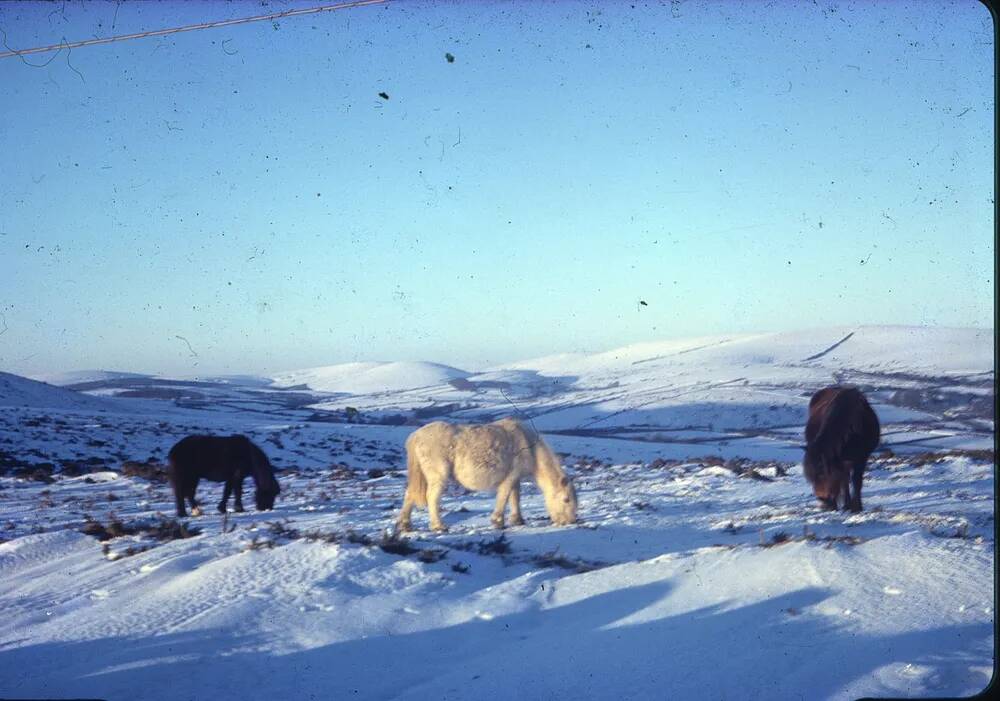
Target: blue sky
[[246, 190]]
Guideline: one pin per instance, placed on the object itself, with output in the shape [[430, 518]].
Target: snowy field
[[702, 567]]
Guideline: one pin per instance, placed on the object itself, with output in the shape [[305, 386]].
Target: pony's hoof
[[222, 508], [239, 509], [440, 528], [403, 528], [517, 521], [196, 511], [497, 523]]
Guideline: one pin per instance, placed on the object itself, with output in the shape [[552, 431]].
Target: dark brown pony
[[226, 459], [841, 433]]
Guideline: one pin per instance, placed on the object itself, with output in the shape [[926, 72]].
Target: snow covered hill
[[370, 377], [77, 377], [17, 391], [903, 349]]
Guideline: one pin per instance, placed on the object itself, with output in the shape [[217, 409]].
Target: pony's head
[[813, 465], [828, 489], [265, 497], [267, 486], [561, 502], [560, 496], [826, 481]]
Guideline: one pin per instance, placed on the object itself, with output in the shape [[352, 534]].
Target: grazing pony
[[226, 459], [488, 457], [841, 433]]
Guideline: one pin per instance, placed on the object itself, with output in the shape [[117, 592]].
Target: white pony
[[483, 458]]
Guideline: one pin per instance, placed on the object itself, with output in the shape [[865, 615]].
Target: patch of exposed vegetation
[[782, 538], [755, 469], [887, 460], [41, 472], [496, 546], [75, 468], [278, 533], [500, 547], [392, 544], [554, 559], [160, 530], [149, 470]]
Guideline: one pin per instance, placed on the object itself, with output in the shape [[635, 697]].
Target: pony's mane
[[263, 470], [544, 451]]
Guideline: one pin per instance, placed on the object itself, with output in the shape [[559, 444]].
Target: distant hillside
[[19, 391], [370, 377], [76, 377], [758, 384], [904, 349]]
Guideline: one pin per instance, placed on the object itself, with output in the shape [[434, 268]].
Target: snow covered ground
[[701, 569]]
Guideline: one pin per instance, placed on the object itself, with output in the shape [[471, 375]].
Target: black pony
[[226, 459], [841, 433]]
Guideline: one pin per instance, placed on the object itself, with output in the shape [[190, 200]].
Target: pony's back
[[193, 452], [840, 420]]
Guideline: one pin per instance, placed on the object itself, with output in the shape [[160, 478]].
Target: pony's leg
[[403, 523], [195, 509], [845, 488], [515, 505], [857, 476], [225, 496], [434, 490], [503, 493], [238, 490], [179, 498]]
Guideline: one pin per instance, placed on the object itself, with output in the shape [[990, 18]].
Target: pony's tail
[[171, 471], [416, 483]]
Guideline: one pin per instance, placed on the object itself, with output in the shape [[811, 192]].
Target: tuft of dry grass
[[391, 544], [149, 470], [577, 565], [781, 538], [497, 546], [398, 546], [161, 530], [256, 543], [36, 473], [429, 555], [888, 460]]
